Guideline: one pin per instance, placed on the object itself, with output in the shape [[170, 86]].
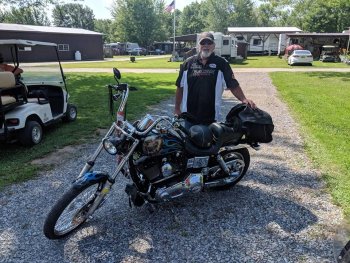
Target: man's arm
[[239, 94], [178, 99]]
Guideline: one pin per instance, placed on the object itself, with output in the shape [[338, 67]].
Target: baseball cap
[[206, 35]]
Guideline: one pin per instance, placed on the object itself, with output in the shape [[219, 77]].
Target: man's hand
[[177, 112], [250, 103]]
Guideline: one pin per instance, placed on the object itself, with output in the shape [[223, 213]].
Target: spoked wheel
[[237, 162], [70, 211]]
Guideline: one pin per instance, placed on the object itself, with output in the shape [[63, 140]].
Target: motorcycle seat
[[221, 134]]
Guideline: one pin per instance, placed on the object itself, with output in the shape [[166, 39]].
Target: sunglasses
[[206, 42]]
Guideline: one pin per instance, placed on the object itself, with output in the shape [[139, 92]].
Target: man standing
[[201, 83]]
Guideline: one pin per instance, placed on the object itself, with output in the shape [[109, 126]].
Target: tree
[[73, 15], [221, 14], [192, 19], [321, 16], [104, 26], [243, 13], [31, 3], [26, 15], [135, 21], [273, 13]]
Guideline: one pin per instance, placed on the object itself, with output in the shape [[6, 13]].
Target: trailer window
[[257, 42], [225, 42], [63, 47]]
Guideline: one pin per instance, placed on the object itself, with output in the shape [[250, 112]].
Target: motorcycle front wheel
[[71, 210]]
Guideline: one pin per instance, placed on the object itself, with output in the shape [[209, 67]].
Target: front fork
[[111, 180]]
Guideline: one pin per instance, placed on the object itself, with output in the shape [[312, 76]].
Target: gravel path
[[279, 212]]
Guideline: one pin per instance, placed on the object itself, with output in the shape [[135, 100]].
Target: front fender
[[90, 178]]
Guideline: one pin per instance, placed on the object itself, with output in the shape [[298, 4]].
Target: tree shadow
[[344, 76]]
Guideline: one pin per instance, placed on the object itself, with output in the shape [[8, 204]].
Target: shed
[[315, 41], [68, 40]]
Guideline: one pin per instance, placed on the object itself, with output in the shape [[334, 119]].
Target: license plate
[[303, 57]]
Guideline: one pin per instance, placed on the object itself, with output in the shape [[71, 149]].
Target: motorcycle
[[162, 159]]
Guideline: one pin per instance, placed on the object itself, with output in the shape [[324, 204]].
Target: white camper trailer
[[258, 46], [225, 45]]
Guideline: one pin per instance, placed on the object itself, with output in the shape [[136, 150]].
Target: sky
[[101, 8]]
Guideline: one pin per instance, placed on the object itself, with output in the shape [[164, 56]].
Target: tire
[[31, 134], [344, 256], [87, 194], [241, 154], [71, 113]]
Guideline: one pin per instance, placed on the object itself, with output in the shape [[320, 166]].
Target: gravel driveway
[[279, 212]]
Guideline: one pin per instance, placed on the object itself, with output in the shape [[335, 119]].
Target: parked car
[[329, 54], [159, 52], [300, 57], [36, 99], [138, 51]]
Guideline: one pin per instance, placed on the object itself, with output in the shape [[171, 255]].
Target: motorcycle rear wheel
[[240, 154], [70, 211]]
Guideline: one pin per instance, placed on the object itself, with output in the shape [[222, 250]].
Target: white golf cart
[[33, 100]]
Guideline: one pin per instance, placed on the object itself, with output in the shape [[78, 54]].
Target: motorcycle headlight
[[109, 146]]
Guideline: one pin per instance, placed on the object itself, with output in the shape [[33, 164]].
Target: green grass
[[145, 63], [89, 94], [320, 102], [251, 62]]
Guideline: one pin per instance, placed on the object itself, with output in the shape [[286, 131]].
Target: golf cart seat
[[11, 93]]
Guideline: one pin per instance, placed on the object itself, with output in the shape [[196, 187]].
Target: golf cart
[[35, 99], [329, 54]]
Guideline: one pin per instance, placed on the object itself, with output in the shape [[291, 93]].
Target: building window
[[226, 42], [63, 47], [257, 42]]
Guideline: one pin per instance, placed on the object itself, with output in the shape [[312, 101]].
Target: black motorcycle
[[162, 159]]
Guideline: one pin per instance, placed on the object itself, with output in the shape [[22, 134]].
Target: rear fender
[[90, 178]]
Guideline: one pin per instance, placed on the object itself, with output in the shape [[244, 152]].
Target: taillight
[[12, 122], [295, 56], [309, 56]]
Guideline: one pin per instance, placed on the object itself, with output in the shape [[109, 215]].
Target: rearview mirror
[[116, 73]]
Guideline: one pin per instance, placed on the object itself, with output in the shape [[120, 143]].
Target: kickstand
[[130, 202], [150, 207]]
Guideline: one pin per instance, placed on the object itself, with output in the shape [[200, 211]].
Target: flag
[[170, 8]]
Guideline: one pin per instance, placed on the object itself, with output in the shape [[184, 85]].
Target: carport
[[315, 41]]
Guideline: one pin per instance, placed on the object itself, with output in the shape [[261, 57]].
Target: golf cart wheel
[[32, 134], [71, 113]]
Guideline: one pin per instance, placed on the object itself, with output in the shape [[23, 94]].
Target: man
[[201, 82]]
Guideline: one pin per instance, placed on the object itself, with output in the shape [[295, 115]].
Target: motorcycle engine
[[159, 167]]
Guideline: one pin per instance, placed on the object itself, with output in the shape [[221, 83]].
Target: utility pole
[[347, 49]]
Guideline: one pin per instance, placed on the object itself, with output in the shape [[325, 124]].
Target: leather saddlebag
[[256, 124]]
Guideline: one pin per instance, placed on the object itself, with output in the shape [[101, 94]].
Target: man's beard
[[206, 53]]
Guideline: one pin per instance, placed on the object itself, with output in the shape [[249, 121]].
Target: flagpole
[[174, 30]]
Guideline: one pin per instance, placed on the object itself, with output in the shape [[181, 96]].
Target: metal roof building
[[261, 39], [69, 40]]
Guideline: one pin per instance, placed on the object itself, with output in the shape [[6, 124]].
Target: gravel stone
[[280, 211]]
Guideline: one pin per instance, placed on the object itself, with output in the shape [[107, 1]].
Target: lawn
[[89, 93], [320, 102], [251, 62]]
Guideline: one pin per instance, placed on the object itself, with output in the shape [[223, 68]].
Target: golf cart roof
[[328, 46], [25, 42]]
